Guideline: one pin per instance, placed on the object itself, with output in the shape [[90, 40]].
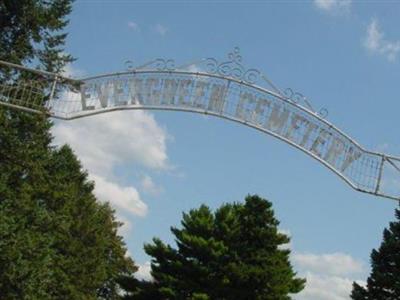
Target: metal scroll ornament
[[299, 98], [223, 90], [232, 68], [159, 64], [164, 64], [129, 65]]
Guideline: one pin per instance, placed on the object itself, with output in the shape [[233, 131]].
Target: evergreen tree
[[56, 240], [384, 280], [234, 253]]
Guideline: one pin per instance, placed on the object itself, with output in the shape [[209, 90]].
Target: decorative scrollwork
[[129, 65], [162, 64], [211, 66], [323, 113], [293, 96], [232, 68], [299, 98]]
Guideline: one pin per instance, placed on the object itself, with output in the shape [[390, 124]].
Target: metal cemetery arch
[[226, 90]]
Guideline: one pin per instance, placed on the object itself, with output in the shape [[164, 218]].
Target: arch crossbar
[[218, 94]]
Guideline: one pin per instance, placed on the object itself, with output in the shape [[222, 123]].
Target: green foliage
[[138, 290], [56, 240], [31, 30], [234, 253], [384, 280]]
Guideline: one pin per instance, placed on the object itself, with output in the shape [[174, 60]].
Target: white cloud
[[161, 29], [125, 198], [143, 272], [334, 6], [134, 26], [330, 264], [149, 186], [72, 72], [107, 141], [376, 43], [119, 138], [329, 276], [321, 287]]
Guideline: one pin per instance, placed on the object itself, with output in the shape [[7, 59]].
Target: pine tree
[[234, 253], [56, 240], [384, 280], [90, 256]]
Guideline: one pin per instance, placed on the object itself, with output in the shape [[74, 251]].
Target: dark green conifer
[[56, 240], [384, 280], [232, 254]]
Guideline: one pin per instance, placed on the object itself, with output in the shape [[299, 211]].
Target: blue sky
[[343, 55]]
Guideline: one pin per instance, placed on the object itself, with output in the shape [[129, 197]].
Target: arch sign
[[222, 89]]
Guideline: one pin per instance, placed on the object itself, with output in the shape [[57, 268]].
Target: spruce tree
[[56, 240], [234, 253], [384, 280]]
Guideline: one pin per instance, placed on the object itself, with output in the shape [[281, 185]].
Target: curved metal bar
[[38, 72], [205, 112], [256, 87], [225, 96]]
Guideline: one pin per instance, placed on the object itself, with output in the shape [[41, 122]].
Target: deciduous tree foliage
[[384, 280], [233, 253], [56, 240]]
